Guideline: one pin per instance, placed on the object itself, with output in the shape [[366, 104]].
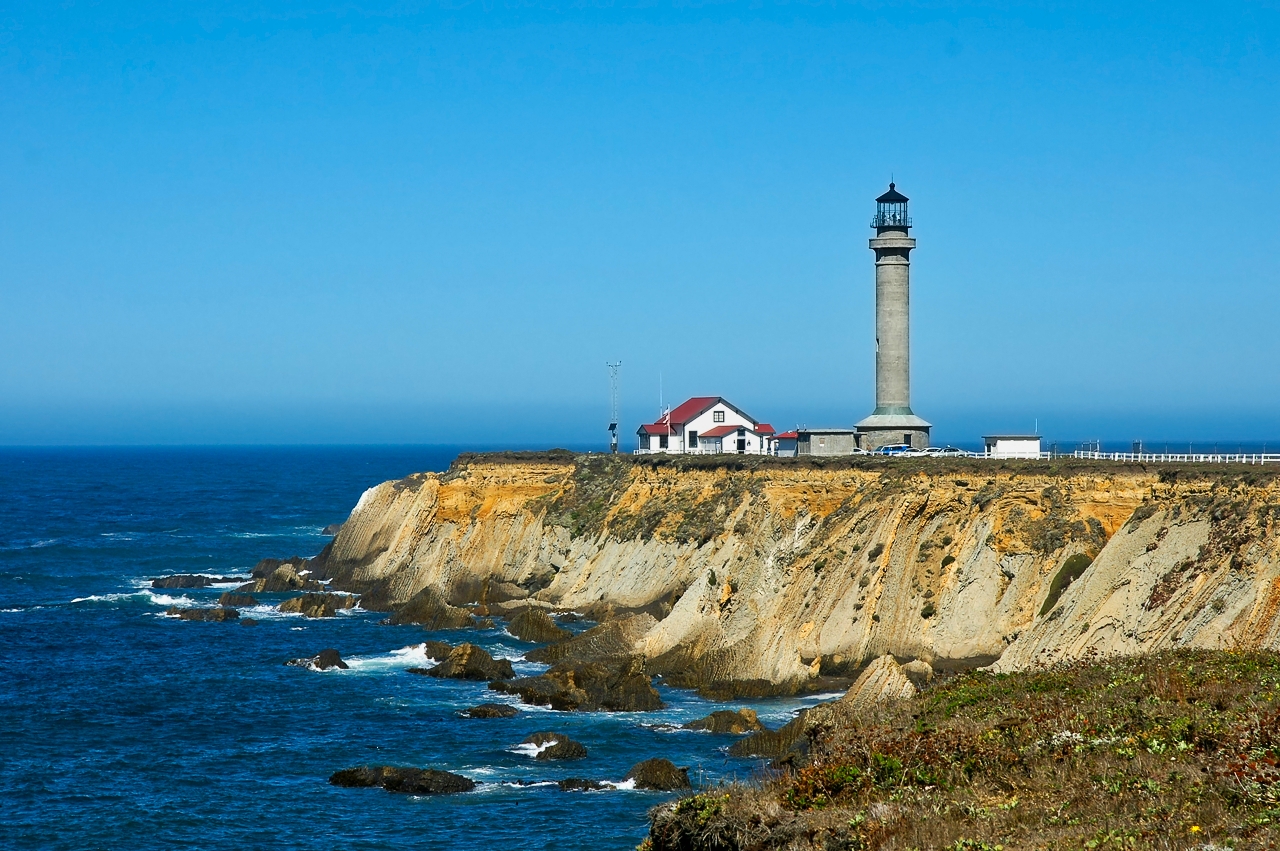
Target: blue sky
[[408, 222]]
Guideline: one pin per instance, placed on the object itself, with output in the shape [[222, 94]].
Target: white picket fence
[[1195, 458]]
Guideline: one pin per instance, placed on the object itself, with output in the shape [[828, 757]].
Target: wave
[[143, 596], [2, 611], [413, 656], [531, 750]]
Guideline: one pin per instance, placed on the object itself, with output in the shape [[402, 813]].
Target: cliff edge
[[767, 574]]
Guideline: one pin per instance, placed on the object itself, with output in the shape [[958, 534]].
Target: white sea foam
[[624, 785], [515, 785], [413, 656], [142, 596], [48, 542], [531, 750], [166, 600], [10, 610]]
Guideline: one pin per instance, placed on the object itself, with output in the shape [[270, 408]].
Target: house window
[[644, 441], [906, 438], [822, 441], [693, 440], [662, 442], [717, 416]]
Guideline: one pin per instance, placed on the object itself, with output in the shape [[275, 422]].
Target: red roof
[[689, 409], [722, 430], [788, 435], [675, 419]]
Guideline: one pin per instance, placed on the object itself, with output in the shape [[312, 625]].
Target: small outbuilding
[[1012, 445], [826, 441], [784, 445]]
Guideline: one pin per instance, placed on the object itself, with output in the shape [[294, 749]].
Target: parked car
[[944, 452], [894, 449]]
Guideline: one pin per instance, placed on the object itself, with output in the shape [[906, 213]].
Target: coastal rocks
[[331, 530], [547, 746], [533, 624], [882, 681], [728, 721], [317, 605], [407, 781], [268, 566], [659, 775], [428, 609], [322, 661], [588, 687], [490, 710], [612, 641], [285, 577], [236, 601], [190, 580], [469, 662], [437, 651], [578, 784], [217, 615]]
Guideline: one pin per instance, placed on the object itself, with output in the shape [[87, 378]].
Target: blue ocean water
[[123, 728]]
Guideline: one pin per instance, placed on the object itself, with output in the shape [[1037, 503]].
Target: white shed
[[1012, 445]]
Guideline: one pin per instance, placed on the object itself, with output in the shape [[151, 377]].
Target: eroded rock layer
[[779, 571]]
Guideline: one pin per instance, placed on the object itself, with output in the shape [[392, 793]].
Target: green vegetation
[[1179, 750], [1072, 569]]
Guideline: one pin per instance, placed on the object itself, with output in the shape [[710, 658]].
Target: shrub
[[1071, 570]]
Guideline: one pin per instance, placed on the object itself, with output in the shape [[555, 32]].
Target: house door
[[742, 444]]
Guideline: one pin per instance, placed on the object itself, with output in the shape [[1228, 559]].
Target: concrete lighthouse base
[[893, 428]]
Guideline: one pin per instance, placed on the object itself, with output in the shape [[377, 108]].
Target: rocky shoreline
[[880, 582]]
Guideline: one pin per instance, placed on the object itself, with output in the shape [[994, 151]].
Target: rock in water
[[577, 784], [533, 624], [285, 577], [660, 775], [318, 605], [555, 746], [236, 601], [332, 529], [728, 721], [214, 615], [469, 662], [408, 781], [182, 580], [609, 642], [268, 566], [490, 710], [437, 650], [322, 661], [428, 608], [882, 681], [588, 687]]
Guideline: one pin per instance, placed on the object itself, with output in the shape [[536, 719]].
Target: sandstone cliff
[[781, 570]]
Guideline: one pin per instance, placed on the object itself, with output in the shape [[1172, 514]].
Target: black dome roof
[[893, 196]]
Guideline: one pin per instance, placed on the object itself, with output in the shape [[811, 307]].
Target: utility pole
[[613, 405]]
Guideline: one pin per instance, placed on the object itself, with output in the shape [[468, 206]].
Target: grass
[[1170, 751]]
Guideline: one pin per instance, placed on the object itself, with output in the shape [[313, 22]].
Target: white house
[[1012, 445], [705, 425]]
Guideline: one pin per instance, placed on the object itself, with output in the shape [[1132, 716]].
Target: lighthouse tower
[[893, 422]]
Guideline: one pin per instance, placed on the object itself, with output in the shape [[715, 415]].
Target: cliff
[[778, 571]]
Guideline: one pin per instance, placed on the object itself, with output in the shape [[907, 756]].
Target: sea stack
[[893, 421]]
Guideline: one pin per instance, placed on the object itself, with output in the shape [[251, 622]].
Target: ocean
[[123, 728]]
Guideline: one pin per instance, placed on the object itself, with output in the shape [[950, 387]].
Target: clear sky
[[411, 222]]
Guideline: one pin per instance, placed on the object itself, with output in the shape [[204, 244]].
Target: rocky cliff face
[[779, 571]]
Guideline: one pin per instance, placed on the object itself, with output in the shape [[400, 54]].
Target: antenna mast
[[613, 405]]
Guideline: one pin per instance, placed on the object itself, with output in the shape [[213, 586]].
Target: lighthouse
[[893, 422]]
